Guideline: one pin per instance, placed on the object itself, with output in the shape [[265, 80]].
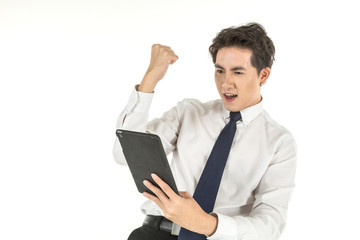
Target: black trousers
[[149, 233]]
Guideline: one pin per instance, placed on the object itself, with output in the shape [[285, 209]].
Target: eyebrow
[[233, 69]]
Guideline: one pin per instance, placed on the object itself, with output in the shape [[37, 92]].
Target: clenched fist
[[161, 58]]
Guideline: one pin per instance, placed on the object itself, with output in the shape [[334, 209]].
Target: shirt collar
[[248, 114]]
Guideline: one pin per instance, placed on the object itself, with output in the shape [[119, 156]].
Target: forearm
[[202, 223], [147, 84], [134, 117], [161, 58], [267, 219]]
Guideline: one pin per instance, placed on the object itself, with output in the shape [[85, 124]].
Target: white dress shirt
[[259, 175]]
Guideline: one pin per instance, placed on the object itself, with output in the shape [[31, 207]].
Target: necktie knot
[[235, 116]]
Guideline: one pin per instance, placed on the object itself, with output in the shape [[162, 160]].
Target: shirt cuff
[[139, 101], [226, 228]]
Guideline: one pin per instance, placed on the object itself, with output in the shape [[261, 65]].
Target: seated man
[[233, 164]]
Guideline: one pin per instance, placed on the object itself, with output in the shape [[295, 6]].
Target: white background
[[67, 68]]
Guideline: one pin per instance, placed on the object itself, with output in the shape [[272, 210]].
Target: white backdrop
[[67, 68]]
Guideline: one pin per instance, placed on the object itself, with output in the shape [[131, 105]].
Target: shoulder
[[285, 147], [277, 130], [195, 105]]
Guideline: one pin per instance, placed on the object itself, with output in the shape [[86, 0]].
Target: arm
[[268, 216], [135, 115], [182, 210], [161, 58]]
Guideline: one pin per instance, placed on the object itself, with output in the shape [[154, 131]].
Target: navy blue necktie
[[208, 185]]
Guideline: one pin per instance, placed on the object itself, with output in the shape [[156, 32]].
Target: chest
[[251, 152]]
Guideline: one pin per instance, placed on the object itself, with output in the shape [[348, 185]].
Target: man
[[257, 176]]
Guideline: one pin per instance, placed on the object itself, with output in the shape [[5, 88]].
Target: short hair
[[251, 36]]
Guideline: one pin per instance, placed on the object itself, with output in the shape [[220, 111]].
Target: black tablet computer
[[144, 155]]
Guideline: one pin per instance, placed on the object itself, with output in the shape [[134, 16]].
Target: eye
[[238, 73], [219, 71]]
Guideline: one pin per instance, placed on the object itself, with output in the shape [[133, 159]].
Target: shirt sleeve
[[134, 117], [268, 216]]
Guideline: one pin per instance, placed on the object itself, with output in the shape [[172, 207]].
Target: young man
[[257, 170]]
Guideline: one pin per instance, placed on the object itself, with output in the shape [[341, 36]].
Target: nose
[[228, 82]]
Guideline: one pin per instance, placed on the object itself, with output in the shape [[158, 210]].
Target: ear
[[264, 75]]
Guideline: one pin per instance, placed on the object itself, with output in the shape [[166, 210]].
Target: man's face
[[237, 80]]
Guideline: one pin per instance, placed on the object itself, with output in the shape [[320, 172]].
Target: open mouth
[[230, 97]]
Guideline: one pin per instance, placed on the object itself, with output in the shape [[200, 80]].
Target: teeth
[[230, 95]]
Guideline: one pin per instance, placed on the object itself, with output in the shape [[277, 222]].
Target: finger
[[158, 192], [172, 52], [174, 59], [158, 46], [166, 49], [164, 186]]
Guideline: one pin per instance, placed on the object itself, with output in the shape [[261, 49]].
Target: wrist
[[147, 84], [146, 87], [210, 224]]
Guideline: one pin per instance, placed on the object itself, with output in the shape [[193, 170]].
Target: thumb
[[174, 59]]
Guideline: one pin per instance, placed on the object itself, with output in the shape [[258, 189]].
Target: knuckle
[[155, 190], [165, 188], [154, 46]]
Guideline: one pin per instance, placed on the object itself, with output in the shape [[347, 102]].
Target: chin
[[231, 108], [234, 106]]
